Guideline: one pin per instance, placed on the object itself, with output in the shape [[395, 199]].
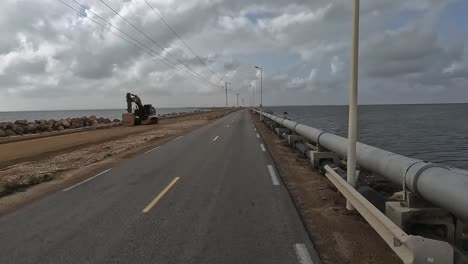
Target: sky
[[53, 57]]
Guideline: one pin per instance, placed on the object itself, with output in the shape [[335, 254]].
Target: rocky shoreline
[[25, 127], [22, 127]]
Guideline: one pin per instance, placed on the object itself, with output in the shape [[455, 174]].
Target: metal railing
[[409, 248]]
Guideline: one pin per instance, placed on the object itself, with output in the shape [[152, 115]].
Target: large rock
[[65, 124], [50, 123], [43, 127], [60, 128], [21, 122], [19, 130], [76, 123], [40, 121], [31, 128], [10, 133], [92, 118], [12, 126], [116, 120], [103, 120], [95, 123], [2, 133], [128, 119], [85, 121]]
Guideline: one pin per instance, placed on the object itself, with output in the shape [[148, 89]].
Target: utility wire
[[132, 38], [180, 38], [152, 40], [164, 60]]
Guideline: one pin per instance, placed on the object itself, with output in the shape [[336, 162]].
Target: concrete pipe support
[[442, 186]]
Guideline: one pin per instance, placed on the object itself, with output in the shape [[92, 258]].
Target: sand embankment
[[64, 159]]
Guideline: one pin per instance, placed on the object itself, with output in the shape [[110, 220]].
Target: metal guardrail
[[409, 248], [442, 186]]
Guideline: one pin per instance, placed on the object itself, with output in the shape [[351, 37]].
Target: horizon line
[[100, 109]]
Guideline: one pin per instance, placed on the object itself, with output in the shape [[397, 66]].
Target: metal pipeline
[[442, 186]]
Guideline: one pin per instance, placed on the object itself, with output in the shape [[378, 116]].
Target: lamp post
[[261, 85], [226, 89], [253, 94], [352, 120]]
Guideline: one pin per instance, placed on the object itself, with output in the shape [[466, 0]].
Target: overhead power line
[[153, 41], [143, 45], [180, 38], [144, 49]]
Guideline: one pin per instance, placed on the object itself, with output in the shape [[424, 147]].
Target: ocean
[[431, 132], [60, 114]]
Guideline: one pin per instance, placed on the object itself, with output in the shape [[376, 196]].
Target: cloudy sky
[[52, 57]]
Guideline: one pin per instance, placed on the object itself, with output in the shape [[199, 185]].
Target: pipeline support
[[442, 186]]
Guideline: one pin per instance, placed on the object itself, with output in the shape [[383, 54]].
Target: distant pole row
[[253, 91]]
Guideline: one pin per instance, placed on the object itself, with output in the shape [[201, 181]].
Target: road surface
[[210, 196]]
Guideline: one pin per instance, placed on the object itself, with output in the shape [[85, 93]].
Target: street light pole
[[237, 102], [352, 120], [261, 85], [226, 89], [253, 95]]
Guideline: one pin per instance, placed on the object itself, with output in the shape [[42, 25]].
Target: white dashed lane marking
[[78, 184], [274, 178], [302, 254]]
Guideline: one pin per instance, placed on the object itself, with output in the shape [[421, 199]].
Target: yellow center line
[[160, 195]]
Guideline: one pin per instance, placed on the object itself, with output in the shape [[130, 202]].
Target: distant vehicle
[[143, 114]]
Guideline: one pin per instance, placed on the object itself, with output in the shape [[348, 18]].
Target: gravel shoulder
[[339, 235], [62, 160]]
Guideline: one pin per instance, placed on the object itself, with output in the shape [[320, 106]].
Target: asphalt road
[[211, 196]]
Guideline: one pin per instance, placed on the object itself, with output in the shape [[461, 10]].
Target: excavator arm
[[132, 98]]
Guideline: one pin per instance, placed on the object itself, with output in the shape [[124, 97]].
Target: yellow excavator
[[142, 114]]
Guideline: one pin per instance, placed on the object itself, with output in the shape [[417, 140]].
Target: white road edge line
[[151, 150], [178, 137], [274, 178], [215, 138], [262, 147], [258, 135], [78, 184], [302, 254]]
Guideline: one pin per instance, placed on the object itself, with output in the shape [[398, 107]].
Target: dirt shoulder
[[68, 159], [339, 236], [26, 149]]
